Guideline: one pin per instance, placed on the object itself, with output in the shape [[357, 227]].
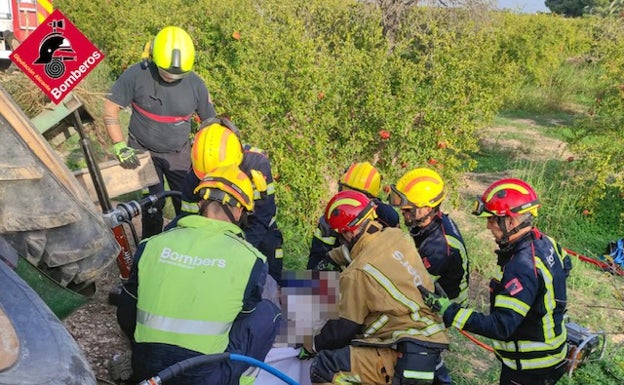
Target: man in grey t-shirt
[[163, 93]]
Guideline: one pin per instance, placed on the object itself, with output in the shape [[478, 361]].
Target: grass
[[595, 298]]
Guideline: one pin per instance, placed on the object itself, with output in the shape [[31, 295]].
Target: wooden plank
[[24, 128], [118, 180]]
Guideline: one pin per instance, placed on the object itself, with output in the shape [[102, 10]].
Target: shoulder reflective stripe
[[548, 322], [257, 195], [536, 363], [160, 118], [375, 326], [255, 149], [272, 221], [270, 189], [326, 240], [463, 285], [393, 291], [498, 275], [460, 319], [511, 304], [182, 326], [456, 244], [189, 207], [418, 375], [529, 346]]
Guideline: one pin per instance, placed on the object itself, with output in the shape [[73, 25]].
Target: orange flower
[[432, 161], [321, 95], [236, 35], [384, 135], [441, 144]]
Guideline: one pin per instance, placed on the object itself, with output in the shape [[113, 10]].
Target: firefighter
[[385, 333], [527, 296], [419, 194], [208, 152], [362, 177], [163, 93], [196, 289]]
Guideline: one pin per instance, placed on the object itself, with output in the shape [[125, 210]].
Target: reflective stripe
[[431, 327], [326, 240], [182, 326], [427, 331], [463, 285], [262, 194], [375, 326], [536, 363], [160, 118], [189, 207], [511, 303], [529, 346], [393, 291], [548, 321], [418, 375], [343, 378], [460, 319]]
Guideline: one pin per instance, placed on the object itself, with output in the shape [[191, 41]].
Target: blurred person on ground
[[163, 93]]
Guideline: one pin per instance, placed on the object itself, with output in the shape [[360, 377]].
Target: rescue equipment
[[583, 344]]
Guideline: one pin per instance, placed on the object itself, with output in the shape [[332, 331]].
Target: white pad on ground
[[285, 360]]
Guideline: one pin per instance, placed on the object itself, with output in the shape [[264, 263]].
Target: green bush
[[317, 85]]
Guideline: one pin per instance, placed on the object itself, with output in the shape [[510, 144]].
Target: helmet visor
[[398, 199], [171, 77], [479, 208]]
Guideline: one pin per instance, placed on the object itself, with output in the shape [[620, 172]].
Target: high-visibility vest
[[192, 282]]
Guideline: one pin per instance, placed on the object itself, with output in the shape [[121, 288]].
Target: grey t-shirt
[[161, 111]]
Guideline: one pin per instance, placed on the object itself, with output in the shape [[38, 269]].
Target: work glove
[[436, 302], [305, 354], [126, 155]]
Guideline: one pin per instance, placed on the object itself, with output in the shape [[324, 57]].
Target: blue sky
[[528, 6]]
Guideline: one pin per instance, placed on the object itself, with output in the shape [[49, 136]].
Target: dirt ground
[[95, 328]]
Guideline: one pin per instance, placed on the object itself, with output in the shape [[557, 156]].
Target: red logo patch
[[426, 262], [56, 56], [514, 287]]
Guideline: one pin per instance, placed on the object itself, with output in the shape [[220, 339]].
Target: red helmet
[[348, 210], [508, 197]]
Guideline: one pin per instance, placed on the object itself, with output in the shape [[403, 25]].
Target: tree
[[570, 8]]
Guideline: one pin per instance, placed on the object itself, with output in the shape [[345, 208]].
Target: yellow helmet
[[173, 52], [214, 146], [362, 177], [420, 187], [227, 185]]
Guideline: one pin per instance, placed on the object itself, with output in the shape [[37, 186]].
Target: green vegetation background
[[315, 82]]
